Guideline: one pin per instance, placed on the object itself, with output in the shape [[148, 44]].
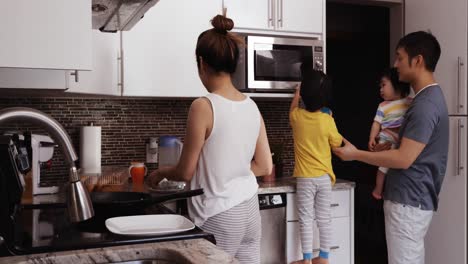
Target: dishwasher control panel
[[273, 200]]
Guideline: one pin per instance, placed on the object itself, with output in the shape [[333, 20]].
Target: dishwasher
[[273, 214]]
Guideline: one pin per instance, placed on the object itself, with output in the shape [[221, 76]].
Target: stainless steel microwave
[[270, 64]]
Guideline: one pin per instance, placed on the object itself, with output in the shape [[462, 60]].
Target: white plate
[[149, 225]]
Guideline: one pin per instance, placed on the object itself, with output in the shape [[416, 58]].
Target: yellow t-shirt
[[314, 133]]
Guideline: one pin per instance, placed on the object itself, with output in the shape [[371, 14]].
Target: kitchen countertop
[[288, 185], [109, 182], [90, 242], [183, 251], [49, 230]]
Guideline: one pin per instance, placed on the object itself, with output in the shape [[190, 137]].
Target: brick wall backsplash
[[127, 124]]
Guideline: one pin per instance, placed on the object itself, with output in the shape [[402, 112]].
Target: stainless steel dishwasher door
[[273, 214]]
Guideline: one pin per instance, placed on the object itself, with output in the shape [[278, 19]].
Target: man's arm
[[400, 158]]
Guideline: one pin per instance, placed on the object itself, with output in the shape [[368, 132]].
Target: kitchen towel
[[90, 149]]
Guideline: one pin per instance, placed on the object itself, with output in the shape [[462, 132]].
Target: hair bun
[[222, 24]]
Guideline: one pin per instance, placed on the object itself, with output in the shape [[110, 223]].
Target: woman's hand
[[154, 178], [346, 152]]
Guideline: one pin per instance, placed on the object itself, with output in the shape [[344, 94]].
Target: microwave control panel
[[318, 58]]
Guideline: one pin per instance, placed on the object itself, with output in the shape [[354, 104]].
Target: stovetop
[[48, 229]]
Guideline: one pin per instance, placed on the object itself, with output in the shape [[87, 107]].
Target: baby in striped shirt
[[388, 119]]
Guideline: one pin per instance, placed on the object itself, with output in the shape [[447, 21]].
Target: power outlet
[[151, 154]]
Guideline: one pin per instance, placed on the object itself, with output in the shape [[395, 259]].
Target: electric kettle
[[170, 148]]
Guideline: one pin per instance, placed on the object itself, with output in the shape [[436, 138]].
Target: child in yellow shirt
[[314, 133]]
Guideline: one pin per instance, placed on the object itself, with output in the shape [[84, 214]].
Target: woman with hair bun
[[225, 147]]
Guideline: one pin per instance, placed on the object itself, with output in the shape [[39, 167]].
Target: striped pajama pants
[[238, 231], [314, 202]]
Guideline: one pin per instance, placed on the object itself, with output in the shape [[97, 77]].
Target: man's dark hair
[[424, 44], [400, 87], [315, 88]]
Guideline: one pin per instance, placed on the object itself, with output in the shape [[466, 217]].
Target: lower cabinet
[[342, 248]]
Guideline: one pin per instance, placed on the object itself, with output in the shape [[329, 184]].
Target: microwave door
[[276, 69], [274, 63], [278, 65]]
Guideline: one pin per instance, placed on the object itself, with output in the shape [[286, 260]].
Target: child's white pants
[[314, 202]]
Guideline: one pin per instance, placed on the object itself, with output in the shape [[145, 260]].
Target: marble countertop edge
[[183, 252], [288, 185]]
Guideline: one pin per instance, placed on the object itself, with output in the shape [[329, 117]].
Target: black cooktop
[[48, 229]]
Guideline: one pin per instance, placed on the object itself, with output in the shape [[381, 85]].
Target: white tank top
[[223, 169]]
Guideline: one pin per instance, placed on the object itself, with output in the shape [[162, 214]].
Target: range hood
[[115, 15]]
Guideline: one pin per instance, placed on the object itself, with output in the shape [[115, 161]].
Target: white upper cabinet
[[159, 51], [448, 22], [304, 16], [105, 78], [256, 14], [292, 16], [33, 78], [46, 34]]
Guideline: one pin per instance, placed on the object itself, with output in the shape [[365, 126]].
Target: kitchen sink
[[146, 261], [161, 256]]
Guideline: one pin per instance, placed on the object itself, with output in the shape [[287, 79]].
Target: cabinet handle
[[280, 14], [335, 205], [459, 164], [119, 71], [75, 73], [459, 66], [270, 13], [120, 62]]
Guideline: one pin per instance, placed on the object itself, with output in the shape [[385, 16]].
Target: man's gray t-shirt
[[427, 122]]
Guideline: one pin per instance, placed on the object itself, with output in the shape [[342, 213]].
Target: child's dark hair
[[218, 48], [424, 44], [400, 87], [315, 88]]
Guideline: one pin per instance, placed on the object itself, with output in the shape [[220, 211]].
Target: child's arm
[[373, 134], [295, 100]]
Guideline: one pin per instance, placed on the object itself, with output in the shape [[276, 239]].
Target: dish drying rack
[[110, 176]]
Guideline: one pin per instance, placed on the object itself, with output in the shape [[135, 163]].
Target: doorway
[[359, 46]]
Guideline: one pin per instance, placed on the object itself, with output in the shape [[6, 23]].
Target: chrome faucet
[[79, 203]]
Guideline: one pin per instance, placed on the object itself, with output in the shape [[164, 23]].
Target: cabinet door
[[104, 78], [448, 23], [341, 204], [304, 16], [447, 232], [340, 249], [248, 14], [159, 51], [46, 34], [33, 78]]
